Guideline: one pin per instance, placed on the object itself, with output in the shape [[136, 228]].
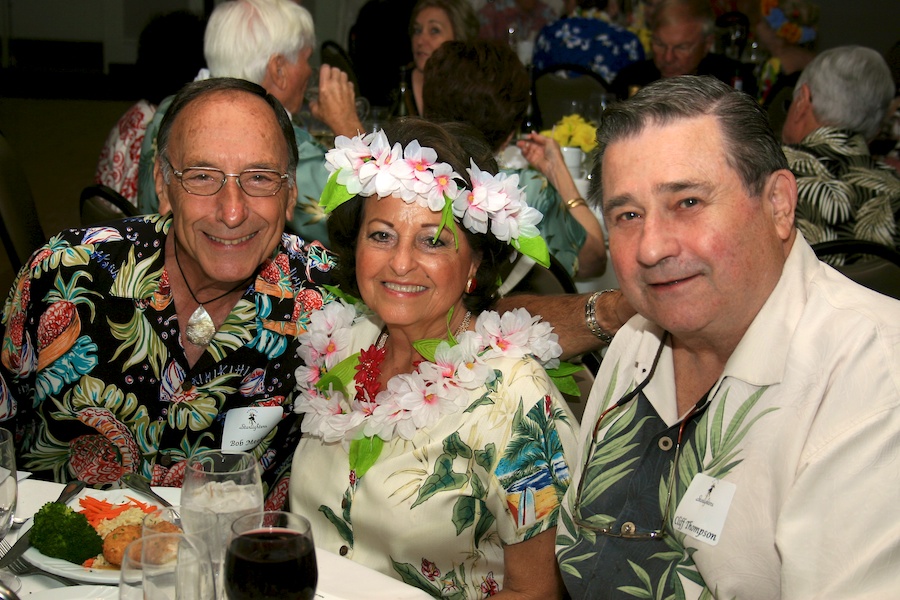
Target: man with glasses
[[741, 437], [682, 34], [131, 346]]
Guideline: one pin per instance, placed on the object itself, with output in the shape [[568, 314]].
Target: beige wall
[[57, 142]]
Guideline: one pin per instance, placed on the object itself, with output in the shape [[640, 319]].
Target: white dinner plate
[[78, 592], [71, 570]]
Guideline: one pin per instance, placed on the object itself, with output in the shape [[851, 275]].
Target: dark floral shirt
[[93, 375]]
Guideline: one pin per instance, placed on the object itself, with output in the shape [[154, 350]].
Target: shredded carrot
[[99, 510], [147, 508], [89, 562]]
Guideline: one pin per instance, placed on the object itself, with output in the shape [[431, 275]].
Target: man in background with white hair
[[840, 101], [269, 42]]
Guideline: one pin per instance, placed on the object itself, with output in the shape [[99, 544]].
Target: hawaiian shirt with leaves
[[436, 511], [795, 448], [843, 193], [94, 375]]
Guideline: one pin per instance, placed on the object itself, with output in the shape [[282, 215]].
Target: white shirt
[[816, 473]]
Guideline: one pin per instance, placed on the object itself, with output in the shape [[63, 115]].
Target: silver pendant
[[200, 328]]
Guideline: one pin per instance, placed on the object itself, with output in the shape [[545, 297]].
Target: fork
[[21, 567]]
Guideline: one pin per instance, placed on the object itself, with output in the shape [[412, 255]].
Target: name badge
[[702, 511], [246, 427]]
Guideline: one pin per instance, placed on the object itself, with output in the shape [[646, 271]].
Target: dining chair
[[100, 203], [557, 95], [20, 228], [878, 266]]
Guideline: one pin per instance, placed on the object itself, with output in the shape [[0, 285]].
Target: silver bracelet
[[590, 317]]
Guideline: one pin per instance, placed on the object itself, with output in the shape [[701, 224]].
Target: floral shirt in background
[[843, 193], [94, 376], [120, 156], [590, 40]]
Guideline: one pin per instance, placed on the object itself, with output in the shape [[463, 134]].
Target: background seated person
[[130, 347], [443, 471], [484, 84], [840, 101], [433, 23], [683, 32], [269, 42], [589, 38], [170, 52]]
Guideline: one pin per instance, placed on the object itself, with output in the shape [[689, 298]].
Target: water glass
[[167, 566], [271, 555], [227, 484]]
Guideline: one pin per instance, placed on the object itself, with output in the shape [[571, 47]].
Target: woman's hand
[[543, 153], [336, 105]]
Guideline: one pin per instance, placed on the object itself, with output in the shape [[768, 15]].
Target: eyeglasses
[[629, 530], [681, 50], [206, 181]]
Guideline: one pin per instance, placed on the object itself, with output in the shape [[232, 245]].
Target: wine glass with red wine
[[270, 555]]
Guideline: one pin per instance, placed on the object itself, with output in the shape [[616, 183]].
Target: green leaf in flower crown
[[426, 348], [534, 247], [334, 194], [447, 221], [565, 368], [339, 293], [566, 385], [363, 454], [339, 375]]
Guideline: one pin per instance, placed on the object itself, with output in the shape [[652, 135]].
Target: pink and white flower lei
[[411, 401], [367, 165]]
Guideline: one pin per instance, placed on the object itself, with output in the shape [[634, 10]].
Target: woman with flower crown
[[434, 441]]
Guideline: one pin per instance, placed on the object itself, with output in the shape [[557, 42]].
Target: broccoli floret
[[60, 532]]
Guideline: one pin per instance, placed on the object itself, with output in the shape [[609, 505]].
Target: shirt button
[[665, 443], [344, 550], [628, 528], [165, 460]]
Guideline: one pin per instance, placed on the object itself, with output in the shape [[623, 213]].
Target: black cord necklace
[[201, 328]]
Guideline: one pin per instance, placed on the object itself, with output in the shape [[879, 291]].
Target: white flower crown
[[367, 165]]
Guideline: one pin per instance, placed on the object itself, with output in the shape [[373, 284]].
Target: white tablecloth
[[339, 578]]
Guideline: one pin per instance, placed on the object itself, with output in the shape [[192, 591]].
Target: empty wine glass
[[271, 555], [8, 494], [166, 566]]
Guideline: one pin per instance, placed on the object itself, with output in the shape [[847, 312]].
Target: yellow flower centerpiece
[[574, 131]]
